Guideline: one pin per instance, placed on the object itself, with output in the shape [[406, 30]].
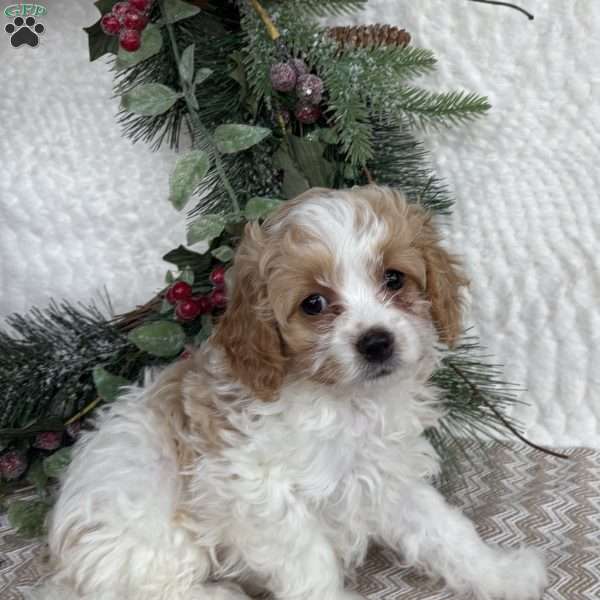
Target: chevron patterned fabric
[[519, 496]]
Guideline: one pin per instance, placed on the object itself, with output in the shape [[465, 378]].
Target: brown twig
[[475, 392], [507, 4], [84, 411], [368, 175], [131, 319]]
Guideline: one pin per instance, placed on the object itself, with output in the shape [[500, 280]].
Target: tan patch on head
[[304, 267], [248, 330], [413, 247]]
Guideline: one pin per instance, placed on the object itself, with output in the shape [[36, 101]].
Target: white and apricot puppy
[[294, 437]]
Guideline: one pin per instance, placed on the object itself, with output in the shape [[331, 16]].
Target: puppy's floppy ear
[[444, 280], [248, 331]]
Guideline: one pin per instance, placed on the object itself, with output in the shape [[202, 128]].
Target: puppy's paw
[[514, 575]]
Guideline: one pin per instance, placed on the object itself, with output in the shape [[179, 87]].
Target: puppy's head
[[342, 287]]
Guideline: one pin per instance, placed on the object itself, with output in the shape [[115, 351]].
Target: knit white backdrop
[[82, 208]]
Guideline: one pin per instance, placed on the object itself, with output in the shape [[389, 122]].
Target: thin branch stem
[[272, 31], [476, 392], [194, 121], [84, 411], [507, 4]]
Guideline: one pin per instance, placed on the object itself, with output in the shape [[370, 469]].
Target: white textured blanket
[[81, 208]]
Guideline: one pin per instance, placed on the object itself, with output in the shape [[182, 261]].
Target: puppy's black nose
[[376, 345]]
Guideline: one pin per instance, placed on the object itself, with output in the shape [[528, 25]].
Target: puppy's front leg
[[417, 521], [287, 549]]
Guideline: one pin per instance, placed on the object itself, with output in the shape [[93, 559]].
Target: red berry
[[12, 464], [49, 440], [180, 290], [143, 5], [204, 303], [134, 19], [307, 113], [283, 77], [185, 354], [187, 310], [217, 277], [110, 23], [120, 9], [130, 40], [169, 296], [218, 299]]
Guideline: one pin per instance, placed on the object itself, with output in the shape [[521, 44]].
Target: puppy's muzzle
[[376, 345]]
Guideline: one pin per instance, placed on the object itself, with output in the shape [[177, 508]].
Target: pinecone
[[367, 36]]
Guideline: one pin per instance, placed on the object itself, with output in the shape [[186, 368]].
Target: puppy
[[294, 437]]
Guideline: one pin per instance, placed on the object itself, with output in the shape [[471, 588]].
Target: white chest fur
[[336, 456]]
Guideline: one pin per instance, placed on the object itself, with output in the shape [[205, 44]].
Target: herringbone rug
[[520, 497]]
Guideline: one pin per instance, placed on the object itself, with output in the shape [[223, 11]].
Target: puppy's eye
[[314, 304], [393, 280]]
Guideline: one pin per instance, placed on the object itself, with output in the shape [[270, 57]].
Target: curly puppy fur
[[293, 438]]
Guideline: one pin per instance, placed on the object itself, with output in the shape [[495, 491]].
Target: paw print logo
[[24, 31]]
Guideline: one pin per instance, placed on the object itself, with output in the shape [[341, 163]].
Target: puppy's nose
[[376, 345]]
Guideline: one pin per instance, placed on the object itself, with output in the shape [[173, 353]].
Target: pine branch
[[324, 8], [47, 358], [355, 78], [400, 161], [360, 80], [425, 108], [476, 397]]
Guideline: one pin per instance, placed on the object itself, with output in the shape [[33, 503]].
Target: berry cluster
[[189, 307], [293, 75], [127, 20], [14, 462]]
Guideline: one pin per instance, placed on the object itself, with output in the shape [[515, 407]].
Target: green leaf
[[151, 44], [223, 253], [257, 208], [105, 6], [28, 517], [328, 136], [186, 64], [308, 155], [350, 171], [304, 165], [207, 323], [187, 275], [107, 384], [205, 331], [176, 10], [294, 181], [149, 99], [56, 464], [234, 138], [205, 228], [165, 307], [37, 476], [159, 338], [189, 172], [182, 257], [99, 43], [202, 75], [169, 278]]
